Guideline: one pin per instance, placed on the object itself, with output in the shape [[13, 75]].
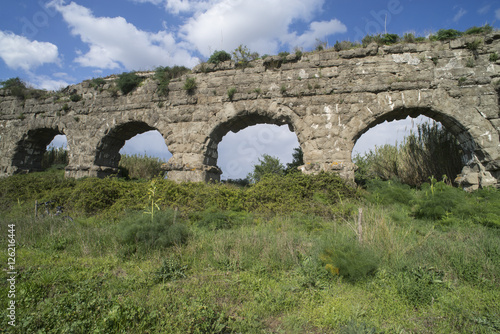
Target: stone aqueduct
[[329, 99]]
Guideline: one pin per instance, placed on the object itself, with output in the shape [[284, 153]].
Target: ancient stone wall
[[329, 99]]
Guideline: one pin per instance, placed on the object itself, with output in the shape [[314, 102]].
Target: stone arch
[[457, 129], [29, 150], [477, 136], [238, 119], [107, 154]]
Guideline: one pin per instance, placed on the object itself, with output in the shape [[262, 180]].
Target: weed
[[470, 63], [493, 57], [75, 97], [283, 89], [473, 46], [230, 93], [165, 74], [171, 269], [189, 85], [165, 230]]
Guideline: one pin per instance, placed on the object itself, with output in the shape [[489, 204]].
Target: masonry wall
[[329, 99]]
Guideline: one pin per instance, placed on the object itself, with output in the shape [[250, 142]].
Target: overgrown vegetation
[[19, 89], [430, 152], [218, 57], [189, 85], [218, 258], [140, 166], [128, 81], [165, 74]]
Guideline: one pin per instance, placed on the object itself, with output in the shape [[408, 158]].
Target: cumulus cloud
[[114, 42], [262, 25], [46, 82], [18, 52]]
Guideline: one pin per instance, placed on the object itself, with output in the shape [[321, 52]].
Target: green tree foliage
[[127, 82], [242, 56], [431, 151], [19, 89], [219, 56], [298, 160], [55, 156], [267, 165], [140, 166]]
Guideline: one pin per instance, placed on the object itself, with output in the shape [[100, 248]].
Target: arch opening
[[410, 143], [136, 139], [237, 144], [29, 151]]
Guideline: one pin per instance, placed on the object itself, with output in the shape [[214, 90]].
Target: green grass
[[206, 262]]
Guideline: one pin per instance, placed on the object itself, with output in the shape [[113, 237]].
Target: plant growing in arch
[[267, 165]]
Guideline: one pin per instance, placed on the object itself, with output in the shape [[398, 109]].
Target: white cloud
[[47, 83], [497, 14], [20, 53], [239, 152], [317, 30], [113, 42], [262, 25], [458, 16], [484, 10]]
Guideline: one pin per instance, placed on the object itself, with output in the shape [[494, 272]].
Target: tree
[[267, 165], [298, 160]]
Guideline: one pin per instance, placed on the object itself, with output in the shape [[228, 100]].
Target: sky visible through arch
[[52, 44]]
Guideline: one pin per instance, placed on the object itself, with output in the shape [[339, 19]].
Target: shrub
[[165, 230], [242, 56], [368, 39], [97, 82], [486, 29], [165, 74], [389, 39], [445, 34], [140, 167], [171, 269], [344, 45], [345, 257], [215, 219], [473, 46], [409, 38], [430, 151], [494, 57], [218, 57], [190, 85], [75, 97], [18, 88], [127, 82], [230, 93]]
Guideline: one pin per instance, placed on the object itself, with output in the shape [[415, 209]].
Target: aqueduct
[[329, 99]]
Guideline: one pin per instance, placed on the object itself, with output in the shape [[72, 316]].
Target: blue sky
[[51, 44]]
